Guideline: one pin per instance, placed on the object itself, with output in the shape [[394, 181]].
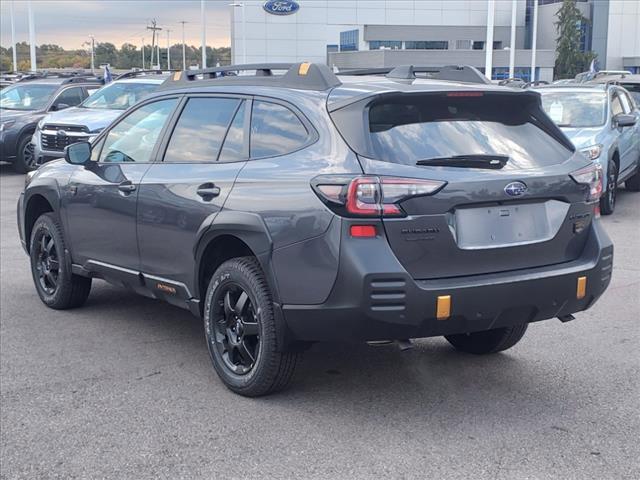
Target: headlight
[[592, 152], [28, 177], [5, 125], [41, 124]]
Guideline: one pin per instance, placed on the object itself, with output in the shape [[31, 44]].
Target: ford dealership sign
[[281, 7]]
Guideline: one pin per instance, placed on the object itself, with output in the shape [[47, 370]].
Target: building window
[[427, 45], [463, 44], [386, 44], [502, 73], [349, 41], [477, 45], [497, 45]]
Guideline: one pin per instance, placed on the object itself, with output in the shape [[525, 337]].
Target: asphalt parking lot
[[123, 388]]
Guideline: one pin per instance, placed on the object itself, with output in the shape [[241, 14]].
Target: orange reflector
[[581, 291], [304, 68], [360, 231], [443, 309], [176, 76]]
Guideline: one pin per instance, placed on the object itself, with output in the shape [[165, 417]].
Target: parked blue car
[[603, 122]]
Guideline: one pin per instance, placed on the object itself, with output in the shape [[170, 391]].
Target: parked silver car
[[603, 122], [82, 123]]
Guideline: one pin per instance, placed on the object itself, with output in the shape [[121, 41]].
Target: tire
[[608, 199], [633, 183], [489, 341], [241, 331], [57, 286], [25, 156]]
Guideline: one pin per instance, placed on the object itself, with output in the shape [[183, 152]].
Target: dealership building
[[373, 33]]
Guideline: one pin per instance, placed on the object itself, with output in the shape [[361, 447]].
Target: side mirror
[[78, 153], [59, 106], [625, 120]]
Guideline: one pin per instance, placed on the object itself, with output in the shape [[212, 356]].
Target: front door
[[183, 191], [100, 200]]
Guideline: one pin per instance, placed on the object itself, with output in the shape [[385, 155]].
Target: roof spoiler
[[303, 76], [453, 73]]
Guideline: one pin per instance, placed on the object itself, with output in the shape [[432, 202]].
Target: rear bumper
[[374, 298]]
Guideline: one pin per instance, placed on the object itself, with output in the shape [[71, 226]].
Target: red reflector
[[360, 231], [596, 210], [465, 94]]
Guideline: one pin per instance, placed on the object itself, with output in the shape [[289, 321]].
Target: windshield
[[27, 96], [119, 96], [576, 109]]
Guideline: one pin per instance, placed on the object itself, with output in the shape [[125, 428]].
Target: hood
[[583, 137], [92, 118]]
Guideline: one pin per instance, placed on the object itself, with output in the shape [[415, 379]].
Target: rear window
[[408, 128]]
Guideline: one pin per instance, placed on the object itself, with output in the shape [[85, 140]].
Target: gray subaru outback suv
[[292, 208]]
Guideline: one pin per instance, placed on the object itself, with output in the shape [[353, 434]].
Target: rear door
[[183, 191], [507, 206], [628, 140]]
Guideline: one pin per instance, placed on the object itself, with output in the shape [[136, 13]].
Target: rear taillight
[[591, 175], [371, 196]]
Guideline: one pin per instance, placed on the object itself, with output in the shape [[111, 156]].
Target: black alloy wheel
[[237, 333], [47, 263], [26, 160], [608, 200], [56, 284], [244, 338]]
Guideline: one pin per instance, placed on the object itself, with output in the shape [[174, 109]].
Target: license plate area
[[508, 225]]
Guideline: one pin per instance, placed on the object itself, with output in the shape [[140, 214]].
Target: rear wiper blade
[[467, 161]]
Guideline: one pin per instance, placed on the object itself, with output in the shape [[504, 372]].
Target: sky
[[69, 23]]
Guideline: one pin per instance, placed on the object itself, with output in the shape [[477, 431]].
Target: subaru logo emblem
[[281, 7], [61, 133], [515, 189]]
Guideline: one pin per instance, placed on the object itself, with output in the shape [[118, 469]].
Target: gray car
[[296, 207], [26, 102], [603, 122]]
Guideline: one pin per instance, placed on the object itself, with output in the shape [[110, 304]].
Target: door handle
[[208, 191], [126, 187]]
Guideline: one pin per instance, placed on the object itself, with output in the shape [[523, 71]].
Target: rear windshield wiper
[[495, 162]]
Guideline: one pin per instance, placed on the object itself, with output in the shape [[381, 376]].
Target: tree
[[570, 59]]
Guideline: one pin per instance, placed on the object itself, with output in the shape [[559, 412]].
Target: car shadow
[[337, 379], [6, 169]]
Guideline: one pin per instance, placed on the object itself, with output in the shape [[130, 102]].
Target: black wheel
[[490, 341], [633, 183], [25, 156], [608, 199], [241, 330], [56, 285]]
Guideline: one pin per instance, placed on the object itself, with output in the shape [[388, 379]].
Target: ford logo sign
[[515, 189], [281, 7]]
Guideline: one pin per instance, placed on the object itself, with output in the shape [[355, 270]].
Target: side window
[[200, 130], [92, 90], [70, 96], [626, 104], [95, 150], [616, 105], [133, 138], [275, 130], [233, 148]]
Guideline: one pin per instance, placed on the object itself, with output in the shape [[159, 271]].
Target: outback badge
[[515, 189]]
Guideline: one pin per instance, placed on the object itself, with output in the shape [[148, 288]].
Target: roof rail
[[303, 76], [135, 73], [454, 73]]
